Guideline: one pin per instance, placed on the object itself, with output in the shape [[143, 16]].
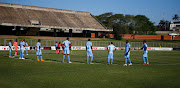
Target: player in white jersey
[[89, 51], [22, 45], [111, 48], [127, 53], [67, 47], [38, 50]]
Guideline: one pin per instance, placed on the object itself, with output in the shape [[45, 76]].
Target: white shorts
[[66, 51], [89, 54], [38, 52], [110, 55], [21, 50], [145, 54]]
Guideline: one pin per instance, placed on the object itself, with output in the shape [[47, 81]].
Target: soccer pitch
[[163, 71]]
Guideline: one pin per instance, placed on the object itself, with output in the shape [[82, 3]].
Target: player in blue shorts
[[111, 48], [26, 48], [127, 53], [10, 48], [38, 50], [145, 53], [89, 51], [22, 45], [67, 47], [56, 46]]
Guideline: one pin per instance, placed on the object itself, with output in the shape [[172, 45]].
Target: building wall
[[177, 38], [92, 35], [167, 37], [174, 25], [156, 37]]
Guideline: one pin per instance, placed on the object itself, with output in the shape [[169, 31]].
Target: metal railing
[[32, 42]]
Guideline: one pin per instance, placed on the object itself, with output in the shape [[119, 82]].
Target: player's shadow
[[52, 53], [6, 55], [29, 59], [118, 62], [94, 61], [79, 61], [100, 62], [52, 60], [137, 62]]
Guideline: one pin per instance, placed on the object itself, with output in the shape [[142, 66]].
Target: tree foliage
[[176, 17], [127, 24], [164, 24]]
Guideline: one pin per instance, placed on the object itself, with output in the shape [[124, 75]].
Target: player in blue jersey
[[89, 51], [38, 50], [10, 48], [145, 53], [56, 46], [67, 47], [26, 47], [111, 48], [127, 53], [22, 45]]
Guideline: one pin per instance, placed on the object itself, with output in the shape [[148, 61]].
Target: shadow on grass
[[79, 61], [52, 60], [29, 59]]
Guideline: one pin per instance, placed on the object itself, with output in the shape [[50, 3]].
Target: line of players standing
[[111, 48], [66, 45], [23, 46]]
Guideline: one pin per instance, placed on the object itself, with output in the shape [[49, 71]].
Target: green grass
[[163, 71]]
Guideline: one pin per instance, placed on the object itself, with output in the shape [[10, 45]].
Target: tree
[[117, 31], [176, 17], [142, 24], [164, 24], [124, 24], [105, 18]]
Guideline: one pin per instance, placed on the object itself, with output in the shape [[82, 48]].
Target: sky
[[155, 10]]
